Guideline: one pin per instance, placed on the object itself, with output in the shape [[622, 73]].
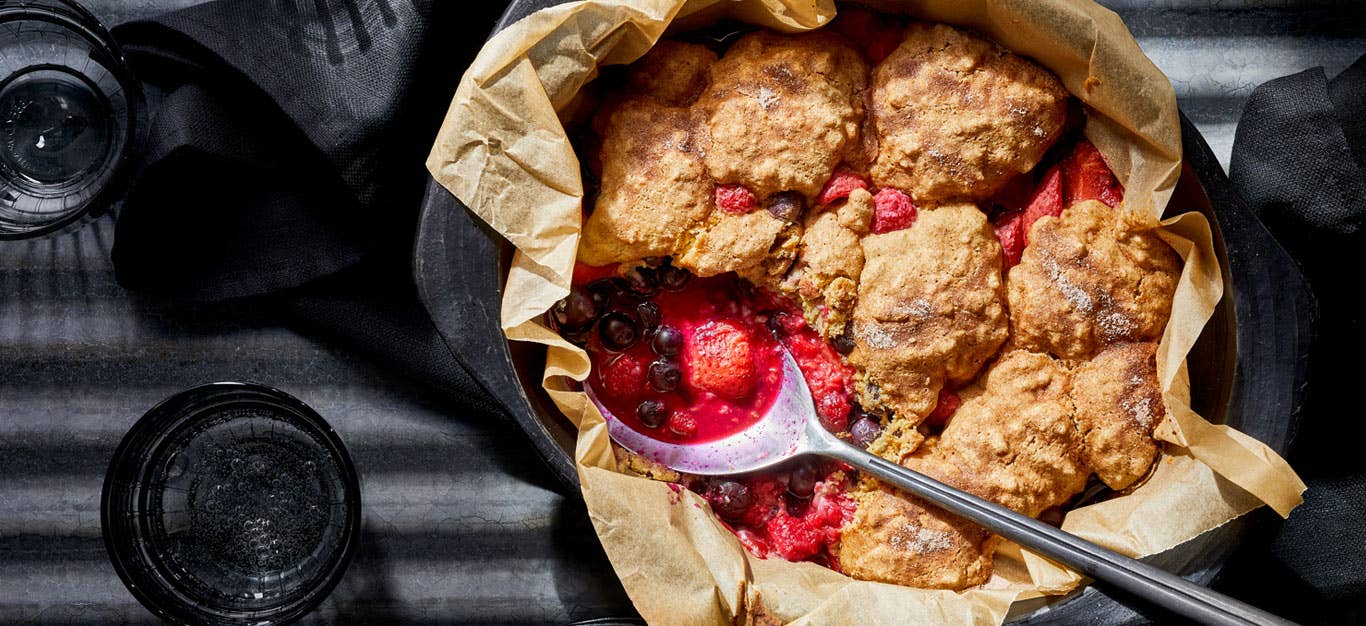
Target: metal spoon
[[791, 428]]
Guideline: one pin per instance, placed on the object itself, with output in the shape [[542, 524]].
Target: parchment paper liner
[[503, 151]]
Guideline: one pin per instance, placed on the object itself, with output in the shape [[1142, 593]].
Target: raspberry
[[682, 424], [1010, 232], [793, 538], [881, 43], [833, 408], [735, 198], [753, 542], [840, 185], [948, 405], [892, 210], [719, 358], [623, 377], [1087, 177], [1047, 200]]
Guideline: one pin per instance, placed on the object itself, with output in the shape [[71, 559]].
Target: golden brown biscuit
[[856, 213], [783, 111], [633, 463], [1118, 404], [754, 245], [897, 539], [1086, 281], [956, 116], [655, 190], [671, 72], [824, 276], [1013, 437], [1012, 442], [931, 308]]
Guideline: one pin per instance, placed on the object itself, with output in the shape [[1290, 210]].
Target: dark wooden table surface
[[462, 523]]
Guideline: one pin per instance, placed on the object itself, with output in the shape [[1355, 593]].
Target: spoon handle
[[1140, 579]]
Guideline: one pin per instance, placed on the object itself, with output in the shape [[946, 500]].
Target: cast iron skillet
[[1247, 369]]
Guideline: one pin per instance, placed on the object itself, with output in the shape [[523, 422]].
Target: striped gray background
[[462, 524]]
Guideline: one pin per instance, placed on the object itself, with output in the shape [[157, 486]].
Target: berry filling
[[876, 34], [681, 360], [795, 513], [691, 360], [1087, 177], [1079, 176]]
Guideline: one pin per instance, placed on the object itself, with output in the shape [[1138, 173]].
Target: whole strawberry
[[719, 357]]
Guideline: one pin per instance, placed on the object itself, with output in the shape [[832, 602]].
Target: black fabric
[[1298, 162], [284, 164]]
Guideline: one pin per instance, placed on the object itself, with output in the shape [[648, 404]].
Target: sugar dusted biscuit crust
[[956, 116], [895, 538], [655, 190], [1015, 437], [1087, 280], [931, 308], [1118, 404], [783, 111]]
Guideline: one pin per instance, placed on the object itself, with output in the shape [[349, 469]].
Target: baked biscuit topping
[[930, 309], [956, 116], [655, 190], [1014, 436], [870, 221], [898, 539], [783, 111], [1088, 280], [1118, 404]]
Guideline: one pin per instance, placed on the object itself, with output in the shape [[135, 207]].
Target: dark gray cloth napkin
[[284, 164], [1299, 160]]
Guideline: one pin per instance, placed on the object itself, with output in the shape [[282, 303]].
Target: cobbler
[[912, 212]]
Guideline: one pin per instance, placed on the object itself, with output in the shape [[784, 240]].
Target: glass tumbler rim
[[75, 18], [129, 479]]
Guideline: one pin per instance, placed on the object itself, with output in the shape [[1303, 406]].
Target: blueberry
[[642, 281], [673, 278], [802, 481], [730, 499], [618, 331], [844, 344], [796, 506], [668, 341], [651, 413], [664, 376], [554, 318], [649, 316], [786, 206], [864, 431], [576, 310], [655, 261], [604, 290]]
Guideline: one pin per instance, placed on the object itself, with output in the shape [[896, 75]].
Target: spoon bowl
[[779, 435]]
